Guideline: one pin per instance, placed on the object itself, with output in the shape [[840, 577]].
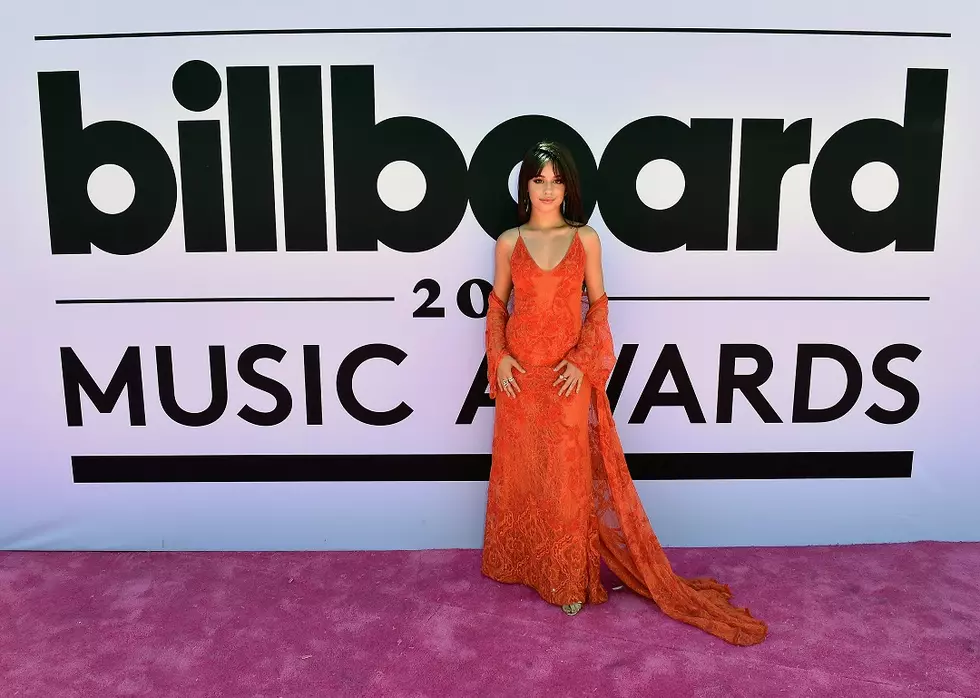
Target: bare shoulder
[[507, 239], [590, 238]]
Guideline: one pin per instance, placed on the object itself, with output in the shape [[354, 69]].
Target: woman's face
[[546, 191]]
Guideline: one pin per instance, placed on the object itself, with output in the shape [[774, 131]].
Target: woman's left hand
[[569, 378]]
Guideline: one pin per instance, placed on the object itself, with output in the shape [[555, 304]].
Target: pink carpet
[[848, 622]]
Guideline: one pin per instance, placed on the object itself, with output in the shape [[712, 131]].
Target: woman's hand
[[505, 375], [569, 379]]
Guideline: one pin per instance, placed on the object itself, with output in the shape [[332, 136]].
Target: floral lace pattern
[[560, 496]]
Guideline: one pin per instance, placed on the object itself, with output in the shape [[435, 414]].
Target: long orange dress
[[560, 496]]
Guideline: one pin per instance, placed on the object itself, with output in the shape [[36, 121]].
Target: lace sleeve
[[594, 353], [496, 339]]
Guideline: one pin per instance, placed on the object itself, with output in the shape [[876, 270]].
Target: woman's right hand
[[505, 375]]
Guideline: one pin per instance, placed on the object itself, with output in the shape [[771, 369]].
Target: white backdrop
[[710, 481]]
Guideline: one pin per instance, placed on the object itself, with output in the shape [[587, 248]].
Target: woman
[[560, 496]]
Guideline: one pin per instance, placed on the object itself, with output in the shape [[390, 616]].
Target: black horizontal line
[[389, 299], [498, 30], [822, 299], [450, 467], [284, 299]]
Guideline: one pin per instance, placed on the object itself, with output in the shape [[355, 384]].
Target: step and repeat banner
[[246, 251]]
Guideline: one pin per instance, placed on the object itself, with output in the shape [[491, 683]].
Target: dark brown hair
[[564, 166]]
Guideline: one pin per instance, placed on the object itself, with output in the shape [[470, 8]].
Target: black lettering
[[128, 375], [314, 389], [219, 388], [432, 288], [246, 369], [362, 148], [617, 380], [464, 298], [702, 150], [768, 152], [345, 385], [802, 412], [197, 87], [668, 363], [202, 186], [902, 386], [304, 189], [73, 153], [250, 137], [748, 384], [913, 151], [477, 396]]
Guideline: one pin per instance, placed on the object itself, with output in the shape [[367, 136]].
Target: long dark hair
[[564, 166]]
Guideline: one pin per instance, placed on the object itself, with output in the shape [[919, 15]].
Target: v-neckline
[[560, 261]]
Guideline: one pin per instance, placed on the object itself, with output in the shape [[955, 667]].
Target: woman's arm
[[496, 326], [502, 281], [593, 263]]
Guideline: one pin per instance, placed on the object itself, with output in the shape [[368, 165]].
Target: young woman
[[560, 496]]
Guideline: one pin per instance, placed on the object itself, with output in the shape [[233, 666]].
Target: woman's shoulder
[[508, 238], [590, 238]]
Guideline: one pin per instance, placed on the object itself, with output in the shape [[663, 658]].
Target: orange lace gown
[[560, 496]]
